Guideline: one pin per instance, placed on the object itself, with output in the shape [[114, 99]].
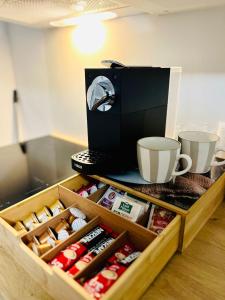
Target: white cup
[[158, 158], [201, 147]]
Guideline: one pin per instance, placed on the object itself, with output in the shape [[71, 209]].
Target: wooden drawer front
[[202, 210], [192, 220], [141, 274], [156, 251]]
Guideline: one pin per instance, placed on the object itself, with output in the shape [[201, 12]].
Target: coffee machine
[[123, 104]]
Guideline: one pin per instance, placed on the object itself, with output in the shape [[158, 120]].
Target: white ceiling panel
[[39, 13], [171, 6]]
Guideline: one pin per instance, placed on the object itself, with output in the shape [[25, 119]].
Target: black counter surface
[[28, 168]]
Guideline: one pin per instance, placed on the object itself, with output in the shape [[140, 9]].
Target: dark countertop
[[26, 169]]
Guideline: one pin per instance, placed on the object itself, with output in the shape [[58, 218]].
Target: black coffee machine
[[123, 105]]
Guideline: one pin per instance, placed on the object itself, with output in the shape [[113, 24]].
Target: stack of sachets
[[124, 204]]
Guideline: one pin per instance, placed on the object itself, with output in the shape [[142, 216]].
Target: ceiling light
[[84, 18], [89, 38]]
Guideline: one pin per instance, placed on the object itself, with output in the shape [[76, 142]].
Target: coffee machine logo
[[101, 94]]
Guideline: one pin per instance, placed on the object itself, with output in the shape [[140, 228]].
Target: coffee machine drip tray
[[93, 162]]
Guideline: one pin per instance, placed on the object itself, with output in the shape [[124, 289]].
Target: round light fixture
[[89, 37]]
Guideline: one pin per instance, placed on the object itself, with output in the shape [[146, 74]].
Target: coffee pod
[[29, 221], [82, 192], [45, 236], [63, 224], [78, 224], [63, 235], [30, 245], [43, 214], [56, 208], [91, 188], [41, 249], [77, 213], [19, 226], [51, 242], [71, 219]]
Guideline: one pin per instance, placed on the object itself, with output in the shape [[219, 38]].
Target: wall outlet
[[221, 143]]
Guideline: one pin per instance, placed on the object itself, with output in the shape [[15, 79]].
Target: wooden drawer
[[22, 209], [156, 249], [193, 219], [202, 210]]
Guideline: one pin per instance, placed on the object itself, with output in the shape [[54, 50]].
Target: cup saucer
[[131, 176]]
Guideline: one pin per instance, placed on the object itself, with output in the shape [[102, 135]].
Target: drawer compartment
[[33, 204], [193, 219], [156, 250]]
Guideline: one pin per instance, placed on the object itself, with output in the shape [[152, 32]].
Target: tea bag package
[[108, 199], [127, 208]]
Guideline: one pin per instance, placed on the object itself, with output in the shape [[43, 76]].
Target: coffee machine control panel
[[91, 161], [100, 94]]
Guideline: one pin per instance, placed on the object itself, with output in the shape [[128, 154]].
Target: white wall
[[23, 67], [193, 40], [48, 70], [30, 68], [7, 84]]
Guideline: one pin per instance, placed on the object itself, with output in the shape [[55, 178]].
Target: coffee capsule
[[45, 236], [43, 214], [30, 220], [63, 224], [41, 249], [77, 213], [19, 226], [56, 208], [78, 224]]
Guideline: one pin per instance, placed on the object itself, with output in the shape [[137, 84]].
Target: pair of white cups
[[158, 157]]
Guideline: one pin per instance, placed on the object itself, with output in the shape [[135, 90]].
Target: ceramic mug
[[201, 147], [158, 158]]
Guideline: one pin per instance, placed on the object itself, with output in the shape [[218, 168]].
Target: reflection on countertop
[[32, 166]]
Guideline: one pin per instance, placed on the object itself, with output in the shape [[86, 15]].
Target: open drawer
[[156, 250], [23, 209], [192, 220]]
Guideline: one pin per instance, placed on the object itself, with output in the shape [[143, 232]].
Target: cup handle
[[217, 163], [189, 164]]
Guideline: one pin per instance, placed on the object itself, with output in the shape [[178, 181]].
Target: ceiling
[[38, 13]]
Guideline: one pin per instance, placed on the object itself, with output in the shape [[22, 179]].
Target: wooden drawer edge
[[141, 195], [9, 237], [27, 200], [170, 232], [148, 266], [61, 282], [206, 197], [189, 233]]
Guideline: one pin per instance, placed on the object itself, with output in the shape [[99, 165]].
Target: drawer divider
[[71, 239], [101, 257]]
